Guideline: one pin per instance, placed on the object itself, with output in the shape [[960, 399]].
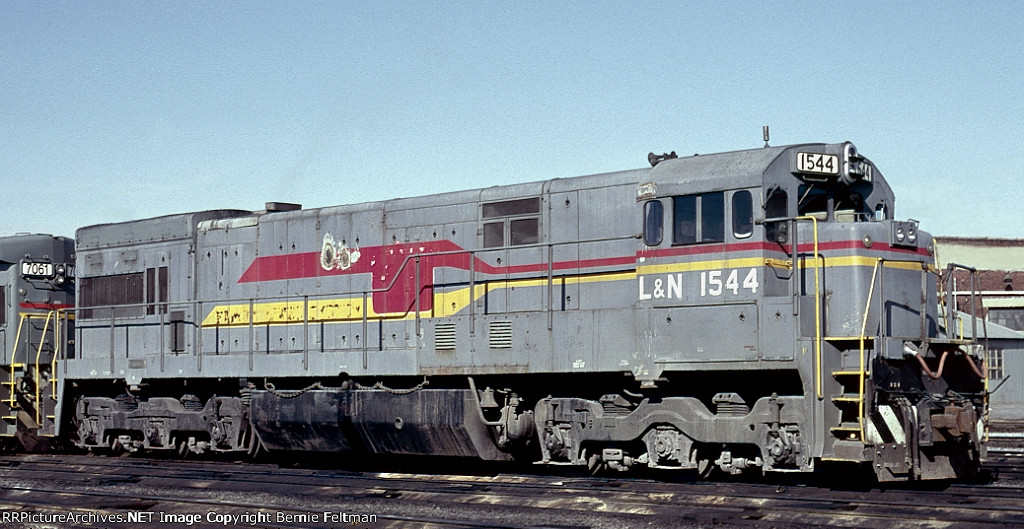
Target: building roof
[[995, 331]]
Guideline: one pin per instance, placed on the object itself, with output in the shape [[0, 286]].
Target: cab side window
[[684, 220], [776, 207], [712, 217], [654, 214], [698, 218], [742, 214]]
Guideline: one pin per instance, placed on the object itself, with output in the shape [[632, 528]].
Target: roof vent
[[282, 206]]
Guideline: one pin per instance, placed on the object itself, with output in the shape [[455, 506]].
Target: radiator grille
[[500, 335], [444, 337]]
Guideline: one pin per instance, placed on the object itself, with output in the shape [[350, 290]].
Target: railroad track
[[132, 492], [1006, 440]]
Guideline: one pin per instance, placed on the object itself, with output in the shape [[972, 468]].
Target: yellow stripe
[[446, 304], [450, 303], [749, 262]]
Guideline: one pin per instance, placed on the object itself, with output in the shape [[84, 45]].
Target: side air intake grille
[[500, 334], [444, 337]]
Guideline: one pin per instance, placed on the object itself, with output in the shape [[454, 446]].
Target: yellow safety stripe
[[450, 303]]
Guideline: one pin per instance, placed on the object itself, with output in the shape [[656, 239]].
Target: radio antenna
[[764, 131]]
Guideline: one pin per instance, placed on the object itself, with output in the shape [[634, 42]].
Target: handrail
[[380, 290], [12, 401], [951, 309], [366, 294], [38, 375], [817, 302], [58, 340], [863, 331]]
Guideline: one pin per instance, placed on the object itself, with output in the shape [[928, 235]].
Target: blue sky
[[111, 111]]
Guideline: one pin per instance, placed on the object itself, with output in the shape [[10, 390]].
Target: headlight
[[904, 233], [60, 275]]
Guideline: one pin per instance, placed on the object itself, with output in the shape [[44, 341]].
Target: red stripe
[[764, 246], [45, 306], [391, 270], [388, 259]]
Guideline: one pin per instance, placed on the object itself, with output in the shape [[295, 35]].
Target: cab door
[[777, 252]]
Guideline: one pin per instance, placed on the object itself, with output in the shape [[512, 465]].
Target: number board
[[29, 269], [817, 163]]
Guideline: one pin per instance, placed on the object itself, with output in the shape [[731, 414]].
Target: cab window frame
[[776, 206], [742, 214], [513, 222], [654, 223], [698, 218]]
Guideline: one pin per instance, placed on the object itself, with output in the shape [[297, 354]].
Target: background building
[[1000, 265]]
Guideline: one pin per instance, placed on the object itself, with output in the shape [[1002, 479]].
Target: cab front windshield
[[836, 203]]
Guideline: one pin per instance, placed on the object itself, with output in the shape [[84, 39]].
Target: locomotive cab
[[36, 293], [818, 284], [870, 282]]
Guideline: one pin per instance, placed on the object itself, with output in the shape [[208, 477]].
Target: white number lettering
[[715, 280], [711, 282], [750, 282], [733, 282]]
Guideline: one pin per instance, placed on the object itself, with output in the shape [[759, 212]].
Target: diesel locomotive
[[758, 310], [36, 295]]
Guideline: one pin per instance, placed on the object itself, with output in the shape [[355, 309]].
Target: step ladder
[[10, 395], [35, 411], [850, 403]]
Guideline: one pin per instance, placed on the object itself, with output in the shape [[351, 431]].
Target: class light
[[900, 235]]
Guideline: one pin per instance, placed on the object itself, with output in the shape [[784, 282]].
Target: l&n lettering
[[710, 283], [659, 290]]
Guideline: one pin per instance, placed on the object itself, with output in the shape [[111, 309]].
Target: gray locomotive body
[[36, 297], [747, 309]]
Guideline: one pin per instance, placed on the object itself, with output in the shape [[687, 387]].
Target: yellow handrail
[[863, 330], [12, 401]]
